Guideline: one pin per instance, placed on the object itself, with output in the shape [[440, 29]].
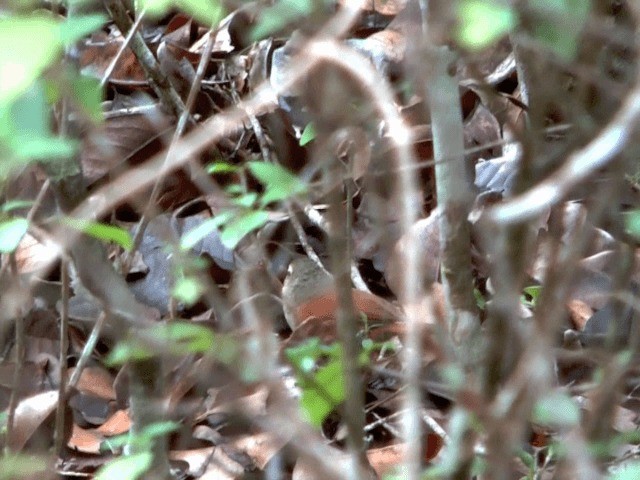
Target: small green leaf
[[76, 27], [87, 94], [560, 24], [279, 15], [532, 293], [237, 229], [11, 232], [188, 290], [556, 409], [193, 236], [482, 22], [29, 45], [246, 200], [632, 223], [101, 231], [480, 300], [221, 167], [141, 440], [21, 466], [279, 182], [626, 471], [205, 12], [308, 134], [15, 205], [126, 351], [130, 467], [185, 338], [50, 148], [322, 396]]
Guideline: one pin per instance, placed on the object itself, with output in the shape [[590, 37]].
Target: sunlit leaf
[[322, 396], [482, 22], [87, 95], [143, 439], [279, 15], [237, 229], [221, 167], [246, 200], [11, 232], [184, 337], [632, 223], [208, 12], [50, 148], [76, 27], [308, 134], [21, 466], [560, 24], [193, 236], [126, 351], [279, 182], [627, 471], [15, 205], [101, 231], [556, 409], [29, 46], [130, 467], [187, 290]]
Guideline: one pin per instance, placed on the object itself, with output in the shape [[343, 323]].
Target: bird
[[309, 296]]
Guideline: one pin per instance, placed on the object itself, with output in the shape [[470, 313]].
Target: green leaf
[[11, 232], [126, 351], [632, 223], [308, 134], [130, 467], [29, 115], [532, 294], [221, 167], [76, 27], [18, 466], [43, 148], [323, 387], [29, 46], [87, 94], [237, 229], [101, 231], [141, 440], [185, 338], [188, 290], [193, 236], [16, 205], [560, 25], [281, 14], [246, 200], [482, 22], [322, 396], [278, 181], [206, 12], [626, 471], [304, 356], [556, 410]]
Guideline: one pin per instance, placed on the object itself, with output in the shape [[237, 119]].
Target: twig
[[182, 124], [64, 345], [123, 47], [579, 166], [19, 365], [158, 81]]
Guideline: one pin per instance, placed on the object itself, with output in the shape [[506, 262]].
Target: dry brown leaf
[[30, 414]]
